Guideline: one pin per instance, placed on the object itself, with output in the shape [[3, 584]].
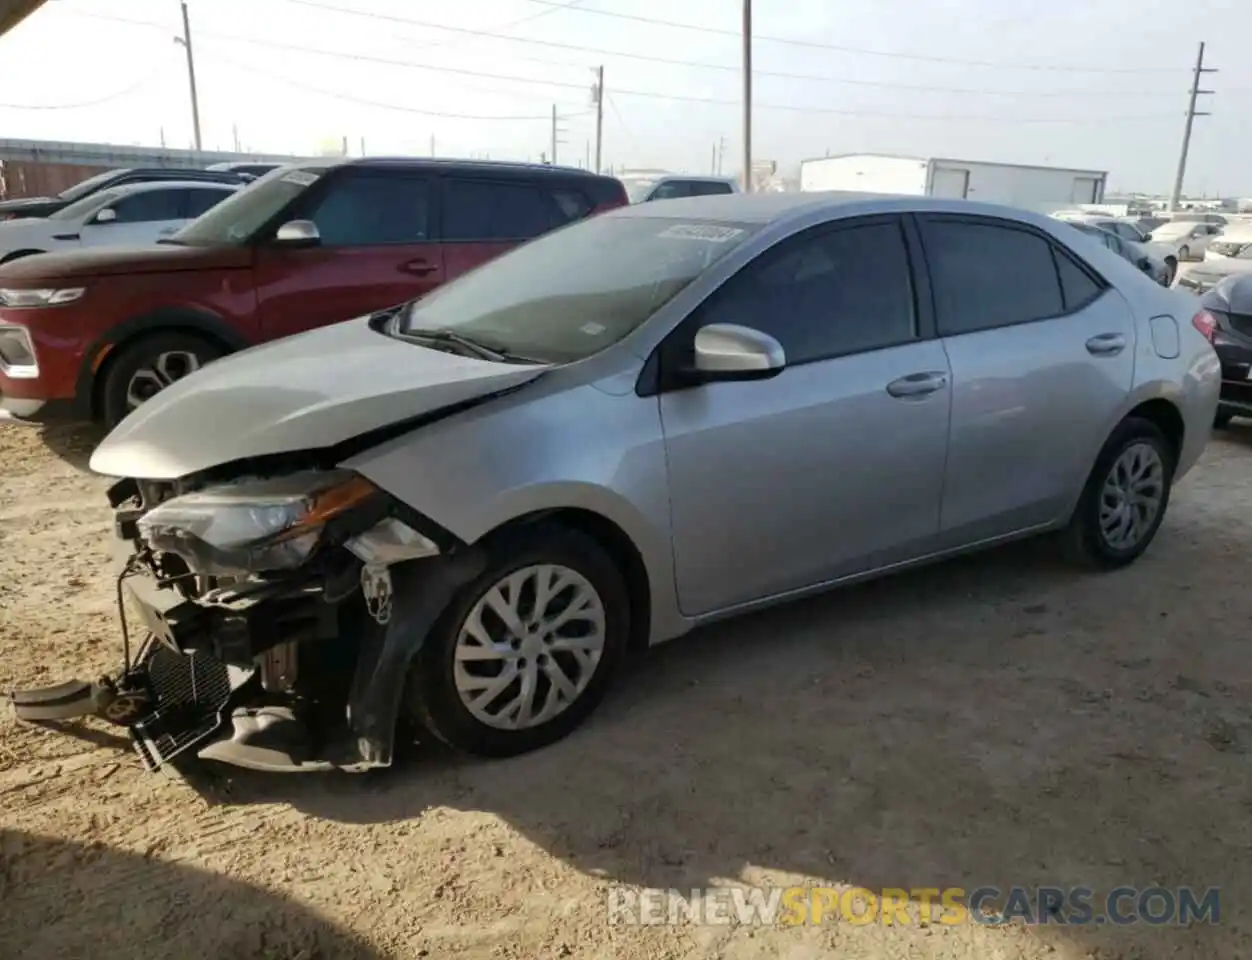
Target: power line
[[691, 64], [565, 5], [646, 94], [862, 51], [86, 103], [300, 85]]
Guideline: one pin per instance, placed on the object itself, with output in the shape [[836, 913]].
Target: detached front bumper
[[196, 688]]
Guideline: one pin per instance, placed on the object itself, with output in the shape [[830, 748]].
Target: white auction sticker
[[301, 178], [592, 329], [700, 231]]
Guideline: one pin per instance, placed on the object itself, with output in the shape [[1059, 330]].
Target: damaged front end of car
[[280, 605]]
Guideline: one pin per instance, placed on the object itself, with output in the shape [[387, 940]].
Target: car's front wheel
[[146, 367], [527, 650], [1184, 253], [1125, 498]]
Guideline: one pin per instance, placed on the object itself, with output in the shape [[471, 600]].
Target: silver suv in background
[[466, 510], [676, 187]]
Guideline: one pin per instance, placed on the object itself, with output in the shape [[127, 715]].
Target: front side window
[[708, 188], [372, 209], [496, 210], [149, 206], [81, 209], [200, 201], [561, 298], [986, 275], [825, 293], [236, 219], [672, 190]]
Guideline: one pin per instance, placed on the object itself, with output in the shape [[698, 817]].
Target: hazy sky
[[924, 77]]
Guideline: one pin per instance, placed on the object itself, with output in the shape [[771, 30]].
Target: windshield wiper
[[475, 346]]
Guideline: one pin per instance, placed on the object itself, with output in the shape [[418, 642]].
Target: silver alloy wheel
[[1132, 496], [529, 647], [147, 382]]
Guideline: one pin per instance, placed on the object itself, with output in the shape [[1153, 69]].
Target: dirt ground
[[1000, 720]]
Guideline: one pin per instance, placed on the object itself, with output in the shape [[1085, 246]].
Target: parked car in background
[[1146, 225], [1162, 259], [676, 186], [1230, 304], [1215, 219], [247, 168], [136, 214], [1231, 244], [1201, 277], [44, 206], [1188, 239], [564, 456], [92, 335], [1149, 263]]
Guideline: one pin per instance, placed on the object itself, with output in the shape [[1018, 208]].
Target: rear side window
[[374, 209], [573, 204], [149, 205], [985, 275], [1077, 287], [706, 188], [496, 210]]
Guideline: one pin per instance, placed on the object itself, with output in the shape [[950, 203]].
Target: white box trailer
[[1008, 183]]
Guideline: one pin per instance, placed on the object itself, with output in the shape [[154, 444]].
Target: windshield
[[571, 293], [81, 209], [235, 219], [84, 187], [637, 190]]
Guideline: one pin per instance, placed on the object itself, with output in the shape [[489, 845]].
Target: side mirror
[[107, 215], [728, 351], [298, 233]]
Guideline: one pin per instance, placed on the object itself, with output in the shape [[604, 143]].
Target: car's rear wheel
[[527, 650], [1222, 419], [1171, 270], [1125, 498], [19, 254], [145, 368]]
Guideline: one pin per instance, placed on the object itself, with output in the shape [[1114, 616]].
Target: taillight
[[1204, 322]]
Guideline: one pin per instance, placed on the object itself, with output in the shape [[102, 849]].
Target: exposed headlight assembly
[[255, 526], [40, 298]]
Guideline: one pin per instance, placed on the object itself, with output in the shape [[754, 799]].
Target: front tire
[[526, 651], [1125, 498], [145, 368], [1184, 253]]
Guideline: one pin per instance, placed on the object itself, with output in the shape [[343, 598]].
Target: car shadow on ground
[[996, 720], [72, 442], [85, 900]]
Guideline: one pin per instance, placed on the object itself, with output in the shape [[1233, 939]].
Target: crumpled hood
[[32, 206], [121, 261], [306, 392]]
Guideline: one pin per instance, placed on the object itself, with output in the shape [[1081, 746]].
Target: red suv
[[91, 335]]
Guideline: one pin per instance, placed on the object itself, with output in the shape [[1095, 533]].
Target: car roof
[[662, 177], [779, 207], [496, 167], [146, 185]]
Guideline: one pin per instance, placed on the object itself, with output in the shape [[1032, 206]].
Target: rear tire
[[147, 366], [1221, 420], [1125, 498], [455, 669], [19, 254], [1171, 269]]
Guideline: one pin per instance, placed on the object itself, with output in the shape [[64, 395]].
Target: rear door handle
[[1106, 344], [918, 384], [419, 267]]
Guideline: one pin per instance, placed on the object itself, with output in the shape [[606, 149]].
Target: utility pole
[[234, 131], [713, 160], [1192, 113], [747, 96], [432, 144], [556, 133], [362, 146], [721, 153], [599, 114], [185, 40]]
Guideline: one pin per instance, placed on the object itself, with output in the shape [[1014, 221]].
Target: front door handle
[[420, 267], [918, 384], [1106, 344]]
